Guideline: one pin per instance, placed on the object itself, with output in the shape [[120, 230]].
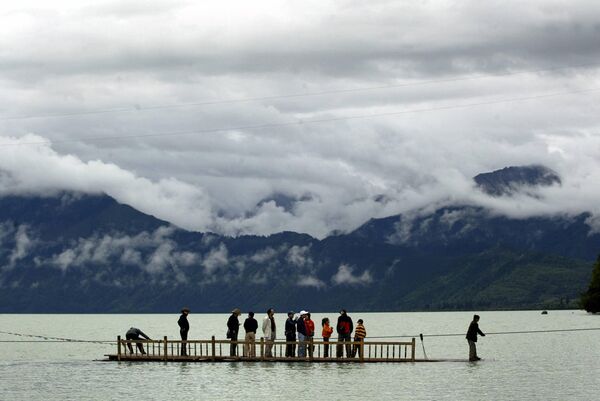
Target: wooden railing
[[227, 350]]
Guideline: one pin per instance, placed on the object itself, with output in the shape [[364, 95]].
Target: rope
[[48, 339], [494, 333]]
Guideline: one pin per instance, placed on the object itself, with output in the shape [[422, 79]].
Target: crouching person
[[135, 334]]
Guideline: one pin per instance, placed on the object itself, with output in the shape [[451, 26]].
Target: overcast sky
[[453, 89]]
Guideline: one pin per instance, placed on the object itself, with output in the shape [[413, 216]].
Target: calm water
[[560, 366]]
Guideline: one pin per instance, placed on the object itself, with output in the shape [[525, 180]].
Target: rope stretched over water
[[49, 339], [495, 333]]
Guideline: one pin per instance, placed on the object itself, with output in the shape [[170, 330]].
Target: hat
[[237, 311], [185, 309], [303, 312]]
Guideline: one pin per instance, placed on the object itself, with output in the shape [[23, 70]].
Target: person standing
[[359, 337], [310, 330], [472, 338], [344, 329], [184, 328], [290, 336], [302, 333], [250, 326], [134, 334], [326, 333], [233, 326], [268, 328]]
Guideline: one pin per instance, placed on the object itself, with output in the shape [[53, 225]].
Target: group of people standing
[[299, 331]]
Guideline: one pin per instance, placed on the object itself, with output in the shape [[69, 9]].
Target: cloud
[[152, 252], [98, 109], [41, 170], [17, 237], [345, 276], [299, 256], [264, 255], [311, 281], [216, 259]]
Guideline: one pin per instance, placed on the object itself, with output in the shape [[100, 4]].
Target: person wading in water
[[472, 338]]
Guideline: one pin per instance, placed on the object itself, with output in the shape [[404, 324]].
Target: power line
[[307, 122], [289, 96]]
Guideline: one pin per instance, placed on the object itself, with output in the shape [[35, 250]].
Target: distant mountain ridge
[[88, 253], [512, 179]]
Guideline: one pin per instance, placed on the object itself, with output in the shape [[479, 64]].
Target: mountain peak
[[509, 180]]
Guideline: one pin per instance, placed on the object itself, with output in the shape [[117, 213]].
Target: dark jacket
[[344, 325], [233, 324], [183, 323], [250, 325], [473, 331], [290, 329], [136, 333], [301, 327]]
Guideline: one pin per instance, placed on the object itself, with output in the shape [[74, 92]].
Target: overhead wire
[[305, 122], [138, 108]]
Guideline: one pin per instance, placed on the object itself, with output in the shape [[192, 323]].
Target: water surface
[[557, 366]]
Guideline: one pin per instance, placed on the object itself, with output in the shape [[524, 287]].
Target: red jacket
[[310, 327]]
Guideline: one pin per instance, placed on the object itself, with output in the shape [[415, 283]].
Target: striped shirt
[[360, 331]]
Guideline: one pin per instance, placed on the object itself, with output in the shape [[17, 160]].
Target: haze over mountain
[[75, 252]]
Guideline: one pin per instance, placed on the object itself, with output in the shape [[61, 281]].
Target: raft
[[214, 350]]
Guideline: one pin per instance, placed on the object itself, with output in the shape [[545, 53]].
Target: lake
[[540, 366]]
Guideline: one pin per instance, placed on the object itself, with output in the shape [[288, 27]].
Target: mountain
[[89, 253], [510, 180]]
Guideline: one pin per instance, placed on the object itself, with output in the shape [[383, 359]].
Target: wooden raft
[[213, 350]]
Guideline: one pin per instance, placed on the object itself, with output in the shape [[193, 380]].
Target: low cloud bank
[[40, 170]]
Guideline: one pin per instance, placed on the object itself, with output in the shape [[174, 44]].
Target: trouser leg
[[326, 348], [233, 347], [472, 350], [301, 345], [129, 338], [290, 349], [140, 348], [348, 347], [184, 335], [269, 347], [249, 348]]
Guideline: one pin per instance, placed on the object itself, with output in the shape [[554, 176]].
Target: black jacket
[[183, 323], [290, 329], [344, 325], [233, 324], [135, 333], [301, 327], [250, 325], [473, 331]]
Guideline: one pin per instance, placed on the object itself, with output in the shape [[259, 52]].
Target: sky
[[241, 117]]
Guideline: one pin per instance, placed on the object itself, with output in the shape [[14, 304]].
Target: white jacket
[[266, 328]]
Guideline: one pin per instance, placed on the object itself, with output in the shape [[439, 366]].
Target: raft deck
[[214, 350]]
